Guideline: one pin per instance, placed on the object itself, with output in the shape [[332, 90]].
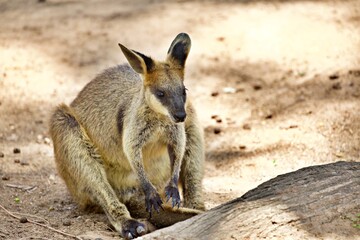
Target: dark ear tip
[[121, 46], [183, 36]]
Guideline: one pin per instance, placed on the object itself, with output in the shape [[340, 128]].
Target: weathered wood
[[317, 202]]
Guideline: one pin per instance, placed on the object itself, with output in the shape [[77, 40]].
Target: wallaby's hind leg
[[80, 166], [165, 217]]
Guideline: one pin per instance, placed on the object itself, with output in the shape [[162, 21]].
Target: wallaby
[[129, 139]]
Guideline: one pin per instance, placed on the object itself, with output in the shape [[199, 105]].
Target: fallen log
[[317, 202]]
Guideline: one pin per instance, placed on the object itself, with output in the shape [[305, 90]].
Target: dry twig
[[39, 224]]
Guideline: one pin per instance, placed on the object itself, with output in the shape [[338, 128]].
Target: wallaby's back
[[101, 105]]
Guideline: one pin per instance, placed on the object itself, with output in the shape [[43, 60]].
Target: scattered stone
[[334, 76], [214, 94], [17, 150], [229, 90], [336, 86], [47, 140], [242, 147], [216, 118], [217, 130], [2, 155], [220, 39], [269, 116], [257, 87], [5, 178], [23, 220], [246, 126], [17, 161], [41, 1], [66, 222]]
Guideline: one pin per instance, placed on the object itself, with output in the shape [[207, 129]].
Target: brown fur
[[117, 145]]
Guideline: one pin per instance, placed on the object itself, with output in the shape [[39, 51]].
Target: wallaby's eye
[[160, 93]]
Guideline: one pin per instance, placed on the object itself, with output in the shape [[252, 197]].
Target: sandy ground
[[280, 80]]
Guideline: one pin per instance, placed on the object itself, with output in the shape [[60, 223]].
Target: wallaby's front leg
[[134, 141], [176, 149], [192, 169]]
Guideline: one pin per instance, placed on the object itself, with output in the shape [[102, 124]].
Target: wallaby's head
[[164, 88]]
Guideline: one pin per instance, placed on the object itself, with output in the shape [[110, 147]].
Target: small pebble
[[247, 126], [17, 150], [214, 94], [23, 220], [242, 147], [216, 118], [269, 116], [257, 87], [217, 130], [334, 76], [66, 222], [2, 155], [47, 140], [229, 90], [5, 178], [17, 161], [336, 86]]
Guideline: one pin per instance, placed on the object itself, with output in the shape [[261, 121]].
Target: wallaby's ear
[[138, 61], [179, 49]]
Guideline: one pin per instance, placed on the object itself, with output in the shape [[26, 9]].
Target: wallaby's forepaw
[[132, 229], [152, 200], [173, 192]]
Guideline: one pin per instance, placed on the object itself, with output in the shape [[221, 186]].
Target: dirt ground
[[278, 81]]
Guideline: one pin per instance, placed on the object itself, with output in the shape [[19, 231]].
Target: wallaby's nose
[[180, 116]]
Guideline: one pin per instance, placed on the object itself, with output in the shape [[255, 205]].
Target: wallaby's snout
[[177, 107], [179, 116]]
